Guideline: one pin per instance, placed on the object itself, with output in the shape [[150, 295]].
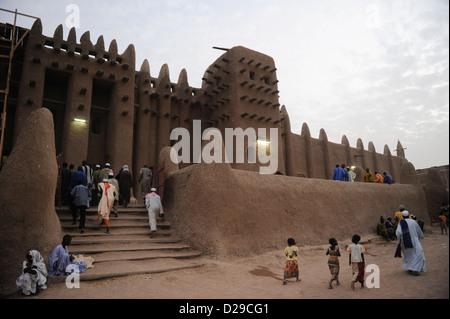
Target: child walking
[[356, 260], [443, 223], [291, 265], [333, 261]]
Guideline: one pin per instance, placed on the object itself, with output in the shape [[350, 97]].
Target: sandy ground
[[260, 277]]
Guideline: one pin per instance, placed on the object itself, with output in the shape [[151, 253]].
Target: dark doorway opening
[[55, 99], [100, 105]]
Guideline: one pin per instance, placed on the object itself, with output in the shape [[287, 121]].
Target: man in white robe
[[34, 274], [108, 192], [351, 174], [153, 205], [409, 233]]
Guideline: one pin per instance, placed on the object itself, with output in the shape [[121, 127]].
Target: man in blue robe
[[60, 258], [338, 173], [387, 178]]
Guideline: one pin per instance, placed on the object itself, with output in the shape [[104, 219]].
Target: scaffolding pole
[[14, 46]]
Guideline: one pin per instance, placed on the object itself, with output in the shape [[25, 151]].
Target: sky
[[376, 70]]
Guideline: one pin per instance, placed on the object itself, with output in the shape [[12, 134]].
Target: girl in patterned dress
[[291, 265], [333, 261]]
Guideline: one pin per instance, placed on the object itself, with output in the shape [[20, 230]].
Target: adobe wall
[[317, 158], [27, 199], [235, 212], [239, 90], [80, 65], [434, 182]]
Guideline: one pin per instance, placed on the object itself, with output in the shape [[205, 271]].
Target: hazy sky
[[375, 70]]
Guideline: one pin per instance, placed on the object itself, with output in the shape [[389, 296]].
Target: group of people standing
[[95, 187], [99, 187], [347, 174], [342, 173], [407, 231]]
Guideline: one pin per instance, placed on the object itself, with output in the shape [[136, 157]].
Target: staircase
[[128, 249]]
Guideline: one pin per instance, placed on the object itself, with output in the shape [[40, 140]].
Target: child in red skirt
[[291, 265], [356, 260]]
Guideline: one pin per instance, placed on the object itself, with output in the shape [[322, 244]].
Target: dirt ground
[[260, 277]]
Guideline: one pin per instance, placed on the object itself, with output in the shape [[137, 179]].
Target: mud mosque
[[107, 109]]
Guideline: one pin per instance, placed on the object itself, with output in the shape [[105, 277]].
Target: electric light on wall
[[79, 120], [263, 141]]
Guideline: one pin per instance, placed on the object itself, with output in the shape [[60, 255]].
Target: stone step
[[95, 229], [88, 249], [67, 216], [133, 220], [114, 224], [107, 239], [95, 234], [120, 268], [142, 254], [93, 210], [128, 249]]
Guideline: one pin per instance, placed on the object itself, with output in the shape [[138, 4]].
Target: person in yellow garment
[[106, 202], [368, 177], [399, 215], [291, 265], [443, 223]]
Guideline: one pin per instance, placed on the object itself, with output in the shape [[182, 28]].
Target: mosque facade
[[105, 110]]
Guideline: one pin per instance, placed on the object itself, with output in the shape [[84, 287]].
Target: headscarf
[[38, 261], [29, 283]]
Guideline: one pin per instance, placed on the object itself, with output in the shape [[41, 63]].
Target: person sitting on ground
[[390, 227], [378, 177], [387, 179], [61, 263], [368, 177], [382, 230], [34, 274]]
